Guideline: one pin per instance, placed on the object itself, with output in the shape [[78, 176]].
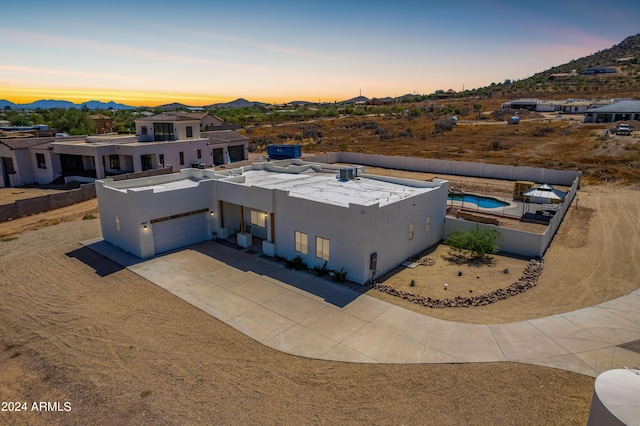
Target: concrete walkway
[[297, 313]]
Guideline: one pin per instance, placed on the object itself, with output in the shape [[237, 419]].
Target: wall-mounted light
[[145, 227]]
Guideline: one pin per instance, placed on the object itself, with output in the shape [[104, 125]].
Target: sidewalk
[[303, 315]]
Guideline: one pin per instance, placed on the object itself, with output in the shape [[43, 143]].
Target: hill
[[238, 103], [569, 80]]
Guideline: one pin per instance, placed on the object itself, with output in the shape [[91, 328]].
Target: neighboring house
[[227, 146], [165, 140], [619, 111], [102, 124], [599, 71], [531, 105], [207, 121], [580, 106], [366, 224], [23, 162]]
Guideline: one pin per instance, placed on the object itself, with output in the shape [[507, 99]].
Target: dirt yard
[[463, 280], [76, 327], [9, 195]]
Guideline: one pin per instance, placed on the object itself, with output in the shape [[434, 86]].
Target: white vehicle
[[622, 129]]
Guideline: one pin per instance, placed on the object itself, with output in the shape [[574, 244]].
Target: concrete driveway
[[300, 314]]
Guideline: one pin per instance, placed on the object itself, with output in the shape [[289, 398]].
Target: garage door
[[179, 232], [236, 153]]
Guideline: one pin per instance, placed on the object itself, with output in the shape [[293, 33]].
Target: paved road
[[300, 314]]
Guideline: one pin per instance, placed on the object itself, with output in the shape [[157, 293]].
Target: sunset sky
[[201, 52]]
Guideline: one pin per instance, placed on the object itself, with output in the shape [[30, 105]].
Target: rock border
[[529, 279]]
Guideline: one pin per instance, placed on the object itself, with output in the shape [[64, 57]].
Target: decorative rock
[[529, 279]]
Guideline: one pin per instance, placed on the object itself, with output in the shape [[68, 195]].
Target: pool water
[[484, 202]]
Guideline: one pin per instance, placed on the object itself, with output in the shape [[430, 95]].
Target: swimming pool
[[478, 200]]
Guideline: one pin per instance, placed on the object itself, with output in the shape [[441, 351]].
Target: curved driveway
[[300, 314]]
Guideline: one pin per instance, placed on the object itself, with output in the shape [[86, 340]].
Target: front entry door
[[146, 162]]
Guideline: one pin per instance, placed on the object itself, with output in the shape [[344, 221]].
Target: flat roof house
[[619, 111], [164, 140], [27, 160], [363, 223]]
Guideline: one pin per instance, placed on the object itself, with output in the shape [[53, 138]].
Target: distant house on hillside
[[102, 124], [619, 111], [589, 71]]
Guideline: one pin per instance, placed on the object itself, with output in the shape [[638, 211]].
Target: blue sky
[[201, 52]]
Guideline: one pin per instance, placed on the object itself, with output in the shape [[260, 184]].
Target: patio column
[[272, 228]]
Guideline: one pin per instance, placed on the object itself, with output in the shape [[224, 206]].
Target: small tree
[[477, 108], [479, 242]]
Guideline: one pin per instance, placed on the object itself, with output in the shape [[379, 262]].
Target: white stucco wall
[[137, 207], [52, 171], [357, 231], [22, 164], [179, 129]]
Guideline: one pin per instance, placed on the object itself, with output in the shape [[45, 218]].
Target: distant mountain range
[[51, 103]]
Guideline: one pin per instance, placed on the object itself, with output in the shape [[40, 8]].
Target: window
[[161, 159], [258, 218], [199, 154], [118, 223], [190, 132], [181, 158], [427, 223], [42, 164], [411, 231], [322, 248], [301, 242], [143, 130], [114, 162], [163, 131]]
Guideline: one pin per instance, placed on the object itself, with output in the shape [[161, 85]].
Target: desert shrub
[[340, 276], [372, 125], [296, 263], [496, 144], [383, 134], [479, 242], [259, 144], [406, 134], [321, 271], [541, 131], [311, 132], [445, 125]]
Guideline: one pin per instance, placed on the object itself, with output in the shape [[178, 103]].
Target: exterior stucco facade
[[287, 209]]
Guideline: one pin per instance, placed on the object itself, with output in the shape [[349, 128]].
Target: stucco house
[[164, 140], [28, 160], [619, 111], [366, 224], [227, 146], [102, 124]]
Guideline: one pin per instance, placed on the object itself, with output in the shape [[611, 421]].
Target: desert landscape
[[77, 327]]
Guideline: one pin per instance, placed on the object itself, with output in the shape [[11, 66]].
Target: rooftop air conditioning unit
[[347, 173]]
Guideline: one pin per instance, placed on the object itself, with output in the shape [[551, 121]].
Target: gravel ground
[[76, 327]]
